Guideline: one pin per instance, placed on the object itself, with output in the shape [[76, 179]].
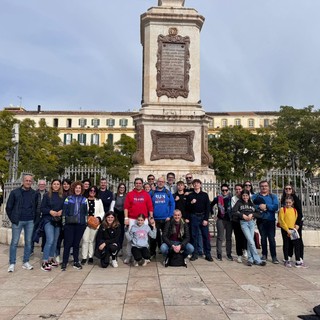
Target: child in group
[[287, 220], [138, 235], [108, 240]]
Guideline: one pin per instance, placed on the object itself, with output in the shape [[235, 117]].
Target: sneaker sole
[[26, 268]]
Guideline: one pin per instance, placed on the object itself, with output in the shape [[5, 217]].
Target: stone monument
[[172, 127]]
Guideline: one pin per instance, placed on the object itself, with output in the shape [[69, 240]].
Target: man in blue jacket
[[267, 203], [163, 207], [21, 209]]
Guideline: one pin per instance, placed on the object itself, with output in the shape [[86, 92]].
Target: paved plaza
[[204, 290]]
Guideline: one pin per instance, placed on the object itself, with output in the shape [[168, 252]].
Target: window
[[266, 123], [110, 122], [211, 124], [82, 122], [123, 122], [237, 122], [110, 139], [251, 123], [69, 123], [224, 123], [95, 122], [95, 139], [67, 138], [56, 122], [82, 139]]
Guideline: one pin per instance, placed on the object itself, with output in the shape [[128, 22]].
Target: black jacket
[[169, 229], [108, 235]]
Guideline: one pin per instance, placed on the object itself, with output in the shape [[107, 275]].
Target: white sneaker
[[239, 260], [147, 260], [135, 263], [58, 259], [11, 268], [27, 266], [245, 254], [144, 263], [114, 263]]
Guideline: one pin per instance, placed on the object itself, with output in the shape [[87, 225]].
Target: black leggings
[[109, 250], [139, 253]]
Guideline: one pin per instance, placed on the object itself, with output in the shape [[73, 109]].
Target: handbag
[[56, 221], [72, 220], [93, 222]]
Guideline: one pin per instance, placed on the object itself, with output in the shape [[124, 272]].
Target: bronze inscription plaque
[[173, 65], [172, 145]]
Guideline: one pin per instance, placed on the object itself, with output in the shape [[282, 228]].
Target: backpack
[[175, 259], [284, 212]]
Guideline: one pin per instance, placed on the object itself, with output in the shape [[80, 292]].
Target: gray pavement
[[204, 290]]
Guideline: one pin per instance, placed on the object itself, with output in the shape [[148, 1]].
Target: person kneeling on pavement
[[138, 236], [176, 236]]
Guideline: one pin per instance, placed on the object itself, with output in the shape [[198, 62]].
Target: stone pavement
[[204, 290]]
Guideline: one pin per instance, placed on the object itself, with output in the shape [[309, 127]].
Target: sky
[[256, 55]]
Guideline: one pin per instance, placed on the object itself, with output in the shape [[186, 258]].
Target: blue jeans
[[196, 226], [188, 249], [248, 231], [267, 229], [52, 235], [27, 227]]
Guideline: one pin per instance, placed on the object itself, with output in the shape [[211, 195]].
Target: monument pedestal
[[172, 127]]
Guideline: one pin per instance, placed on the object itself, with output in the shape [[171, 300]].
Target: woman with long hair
[[96, 210], [74, 220], [289, 191], [108, 240], [244, 210], [117, 206], [51, 208]]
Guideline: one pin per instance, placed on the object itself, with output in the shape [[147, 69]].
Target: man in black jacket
[[176, 236], [21, 210]]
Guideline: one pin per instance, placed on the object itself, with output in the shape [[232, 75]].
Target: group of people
[[157, 213], [245, 211]]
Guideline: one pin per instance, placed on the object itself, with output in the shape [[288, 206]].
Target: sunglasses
[[248, 185], [150, 178], [288, 188], [225, 190], [188, 177], [92, 191]]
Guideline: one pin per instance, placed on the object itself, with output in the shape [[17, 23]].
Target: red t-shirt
[[137, 203]]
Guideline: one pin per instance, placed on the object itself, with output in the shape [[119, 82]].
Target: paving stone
[[143, 297], [148, 312], [143, 283], [195, 296], [243, 306], [110, 292], [92, 309], [207, 312], [8, 313], [45, 307]]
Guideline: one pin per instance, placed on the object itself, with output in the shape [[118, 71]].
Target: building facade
[[96, 128]]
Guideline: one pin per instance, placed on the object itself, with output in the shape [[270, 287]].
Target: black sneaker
[[219, 257], [262, 263], [90, 261], [264, 258], [63, 266], [77, 266], [83, 261], [275, 260], [209, 258], [229, 257], [249, 263], [194, 257]]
